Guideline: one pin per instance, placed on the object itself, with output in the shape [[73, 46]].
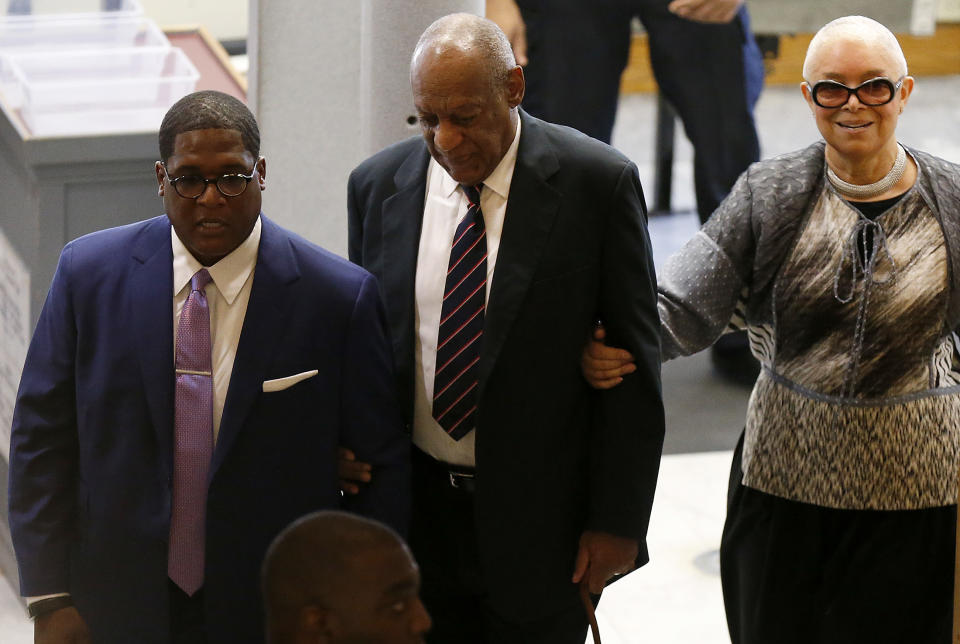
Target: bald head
[[335, 574], [309, 556], [467, 90], [873, 36], [468, 35]]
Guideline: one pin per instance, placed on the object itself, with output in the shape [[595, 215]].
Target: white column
[[329, 84]]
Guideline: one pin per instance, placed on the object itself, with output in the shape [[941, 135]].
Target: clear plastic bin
[[96, 92], [60, 9], [67, 36]]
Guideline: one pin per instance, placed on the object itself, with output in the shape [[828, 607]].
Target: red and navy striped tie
[[461, 324]]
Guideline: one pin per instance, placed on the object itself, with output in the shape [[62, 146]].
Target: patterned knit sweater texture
[[858, 402]]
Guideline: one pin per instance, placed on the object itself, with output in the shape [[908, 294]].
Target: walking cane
[[588, 607]]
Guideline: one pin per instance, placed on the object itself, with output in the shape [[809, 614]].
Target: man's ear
[[316, 625], [262, 173], [516, 86], [158, 167]]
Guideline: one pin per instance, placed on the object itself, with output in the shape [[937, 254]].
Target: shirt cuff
[[37, 598]]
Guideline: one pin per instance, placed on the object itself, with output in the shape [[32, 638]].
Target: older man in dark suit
[[188, 383], [499, 239]]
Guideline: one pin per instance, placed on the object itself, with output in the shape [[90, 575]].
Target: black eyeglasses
[[874, 92], [229, 185]]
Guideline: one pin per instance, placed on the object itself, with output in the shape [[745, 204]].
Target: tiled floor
[[676, 598]]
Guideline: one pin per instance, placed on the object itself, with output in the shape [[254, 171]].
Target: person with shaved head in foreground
[[841, 260], [499, 240], [337, 578]]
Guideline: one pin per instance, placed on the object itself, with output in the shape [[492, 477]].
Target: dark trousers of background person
[[795, 573], [443, 538], [712, 74]]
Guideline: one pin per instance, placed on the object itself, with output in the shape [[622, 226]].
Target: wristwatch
[[43, 606]]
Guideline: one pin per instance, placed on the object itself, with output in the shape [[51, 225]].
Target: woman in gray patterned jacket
[[842, 262]]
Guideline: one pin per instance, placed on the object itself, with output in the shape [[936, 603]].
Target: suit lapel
[[531, 210], [402, 220], [263, 325], [151, 312]]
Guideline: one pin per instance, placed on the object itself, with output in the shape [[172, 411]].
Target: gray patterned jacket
[[723, 277]]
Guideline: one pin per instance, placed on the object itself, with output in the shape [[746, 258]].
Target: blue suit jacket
[[91, 452]]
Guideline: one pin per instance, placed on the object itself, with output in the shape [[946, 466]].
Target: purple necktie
[[193, 438], [461, 324]]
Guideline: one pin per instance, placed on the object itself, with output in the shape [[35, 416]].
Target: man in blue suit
[[145, 486]]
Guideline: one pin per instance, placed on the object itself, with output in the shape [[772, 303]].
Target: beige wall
[[228, 19], [224, 19], [949, 11]]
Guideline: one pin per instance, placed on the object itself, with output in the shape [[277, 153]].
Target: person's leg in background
[[577, 52], [712, 74]]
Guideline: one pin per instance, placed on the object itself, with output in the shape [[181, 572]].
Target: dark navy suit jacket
[[91, 452]]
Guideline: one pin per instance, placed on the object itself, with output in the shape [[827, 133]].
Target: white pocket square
[[279, 384]]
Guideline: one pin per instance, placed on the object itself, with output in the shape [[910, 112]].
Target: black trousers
[[711, 74], [186, 616], [795, 573], [443, 538]]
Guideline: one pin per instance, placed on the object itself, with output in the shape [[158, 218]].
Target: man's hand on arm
[[507, 16], [603, 366], [601, 556], [351, 472], [61, 626], [710, 11]]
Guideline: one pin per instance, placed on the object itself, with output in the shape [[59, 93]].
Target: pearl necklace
[[871, 189]]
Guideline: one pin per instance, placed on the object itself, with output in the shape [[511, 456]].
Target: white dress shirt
[[445, 206], [227, 298]]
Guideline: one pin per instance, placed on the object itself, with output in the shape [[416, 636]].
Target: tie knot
[[473, 193], [200, 280]]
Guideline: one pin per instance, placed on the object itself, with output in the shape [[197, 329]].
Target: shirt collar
[[498, 181], [229, 274]]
